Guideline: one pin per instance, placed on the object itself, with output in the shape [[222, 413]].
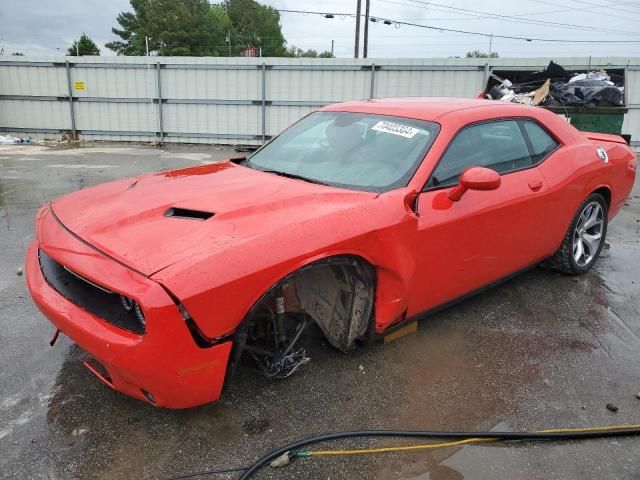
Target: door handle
[[535, 185]]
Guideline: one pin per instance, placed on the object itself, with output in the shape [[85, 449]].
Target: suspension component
[[272, 337]]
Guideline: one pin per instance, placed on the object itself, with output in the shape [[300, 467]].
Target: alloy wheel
[[587, 235]]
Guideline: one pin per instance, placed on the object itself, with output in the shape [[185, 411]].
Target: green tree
[[17, 54], [256, 25], [83, 46], [294, 51], [131, 31], [479, 54], [172, 27]]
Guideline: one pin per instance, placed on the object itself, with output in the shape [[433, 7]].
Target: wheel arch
[[605, 191], [602, 189], [565, 259], [313, 274], [307, 263], [584, 192]]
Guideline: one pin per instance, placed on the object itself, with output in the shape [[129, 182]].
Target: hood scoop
[[188, 214]]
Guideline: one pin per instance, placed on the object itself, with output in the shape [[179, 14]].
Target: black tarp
[[586, 93]]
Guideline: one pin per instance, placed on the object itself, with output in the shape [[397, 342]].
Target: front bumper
[[164, 362]]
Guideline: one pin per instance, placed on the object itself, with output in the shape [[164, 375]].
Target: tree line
[[197, 28]]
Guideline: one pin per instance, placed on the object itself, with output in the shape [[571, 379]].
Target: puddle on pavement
[[4, 205], [529, 354], [467, 368]]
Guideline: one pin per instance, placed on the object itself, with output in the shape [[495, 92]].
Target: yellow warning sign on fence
[[79, 85]]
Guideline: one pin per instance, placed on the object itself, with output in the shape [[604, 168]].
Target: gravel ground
[[541, 351]]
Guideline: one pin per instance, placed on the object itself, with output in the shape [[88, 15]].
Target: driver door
[[486, 235]]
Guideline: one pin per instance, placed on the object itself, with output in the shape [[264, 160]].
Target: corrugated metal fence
[[234, 100]]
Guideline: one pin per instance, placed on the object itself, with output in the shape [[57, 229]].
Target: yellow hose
[[408, 448], [432, 446]]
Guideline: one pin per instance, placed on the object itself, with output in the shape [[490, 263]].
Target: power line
[[628, 4], [466, 32], [513, 37], [583, 8], [597, 5], [466, 11], [490, 16]]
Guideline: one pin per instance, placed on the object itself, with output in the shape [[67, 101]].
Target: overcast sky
[[46, 28]]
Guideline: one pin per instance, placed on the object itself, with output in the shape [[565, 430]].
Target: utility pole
[[365, 48], [229, 40], [146, 42], [332, 48], [358, 7], [490, 45], [78, 48]]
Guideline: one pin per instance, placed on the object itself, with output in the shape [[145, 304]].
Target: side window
[[541, 142], [497, 145]]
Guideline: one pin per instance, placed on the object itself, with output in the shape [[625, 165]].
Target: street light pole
[[365, 48], [358, 7]]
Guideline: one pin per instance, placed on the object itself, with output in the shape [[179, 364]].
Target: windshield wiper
[[247, 163], [294, 176]]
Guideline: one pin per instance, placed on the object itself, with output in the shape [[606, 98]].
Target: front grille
[[93, 298]]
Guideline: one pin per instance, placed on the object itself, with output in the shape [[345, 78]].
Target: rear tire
[[584, 238]]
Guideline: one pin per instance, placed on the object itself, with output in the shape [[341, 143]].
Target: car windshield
[[375, 153]]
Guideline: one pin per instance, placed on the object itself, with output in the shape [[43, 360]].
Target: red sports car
[[360, 218]]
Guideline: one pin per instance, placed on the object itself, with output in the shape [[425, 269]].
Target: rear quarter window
[[541, 142]]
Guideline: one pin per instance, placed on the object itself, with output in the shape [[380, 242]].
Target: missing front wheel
[[335, 296], [272, 339]]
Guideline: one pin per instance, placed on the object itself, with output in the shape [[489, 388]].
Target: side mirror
[[475, 178]]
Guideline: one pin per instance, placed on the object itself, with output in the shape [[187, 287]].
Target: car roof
[[427, 108]]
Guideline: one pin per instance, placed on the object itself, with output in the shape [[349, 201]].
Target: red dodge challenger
[[359, 218]]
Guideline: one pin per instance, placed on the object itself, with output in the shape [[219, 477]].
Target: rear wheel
[[585, 237]]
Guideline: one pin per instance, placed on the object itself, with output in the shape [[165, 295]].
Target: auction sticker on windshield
[[395, 129]]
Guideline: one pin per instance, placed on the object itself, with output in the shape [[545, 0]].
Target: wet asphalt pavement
[[541, 351]]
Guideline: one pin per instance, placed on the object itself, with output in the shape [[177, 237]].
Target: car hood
[[156, 220]]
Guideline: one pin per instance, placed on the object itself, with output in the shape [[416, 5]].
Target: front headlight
[[127, 303], [130, 305], [139, 313]]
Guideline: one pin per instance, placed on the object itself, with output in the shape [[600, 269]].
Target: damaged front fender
[[338, 294]]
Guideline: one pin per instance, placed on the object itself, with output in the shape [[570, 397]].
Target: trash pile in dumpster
[[555, 86]]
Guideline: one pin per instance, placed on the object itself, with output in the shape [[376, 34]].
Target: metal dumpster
[[598, 118]]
